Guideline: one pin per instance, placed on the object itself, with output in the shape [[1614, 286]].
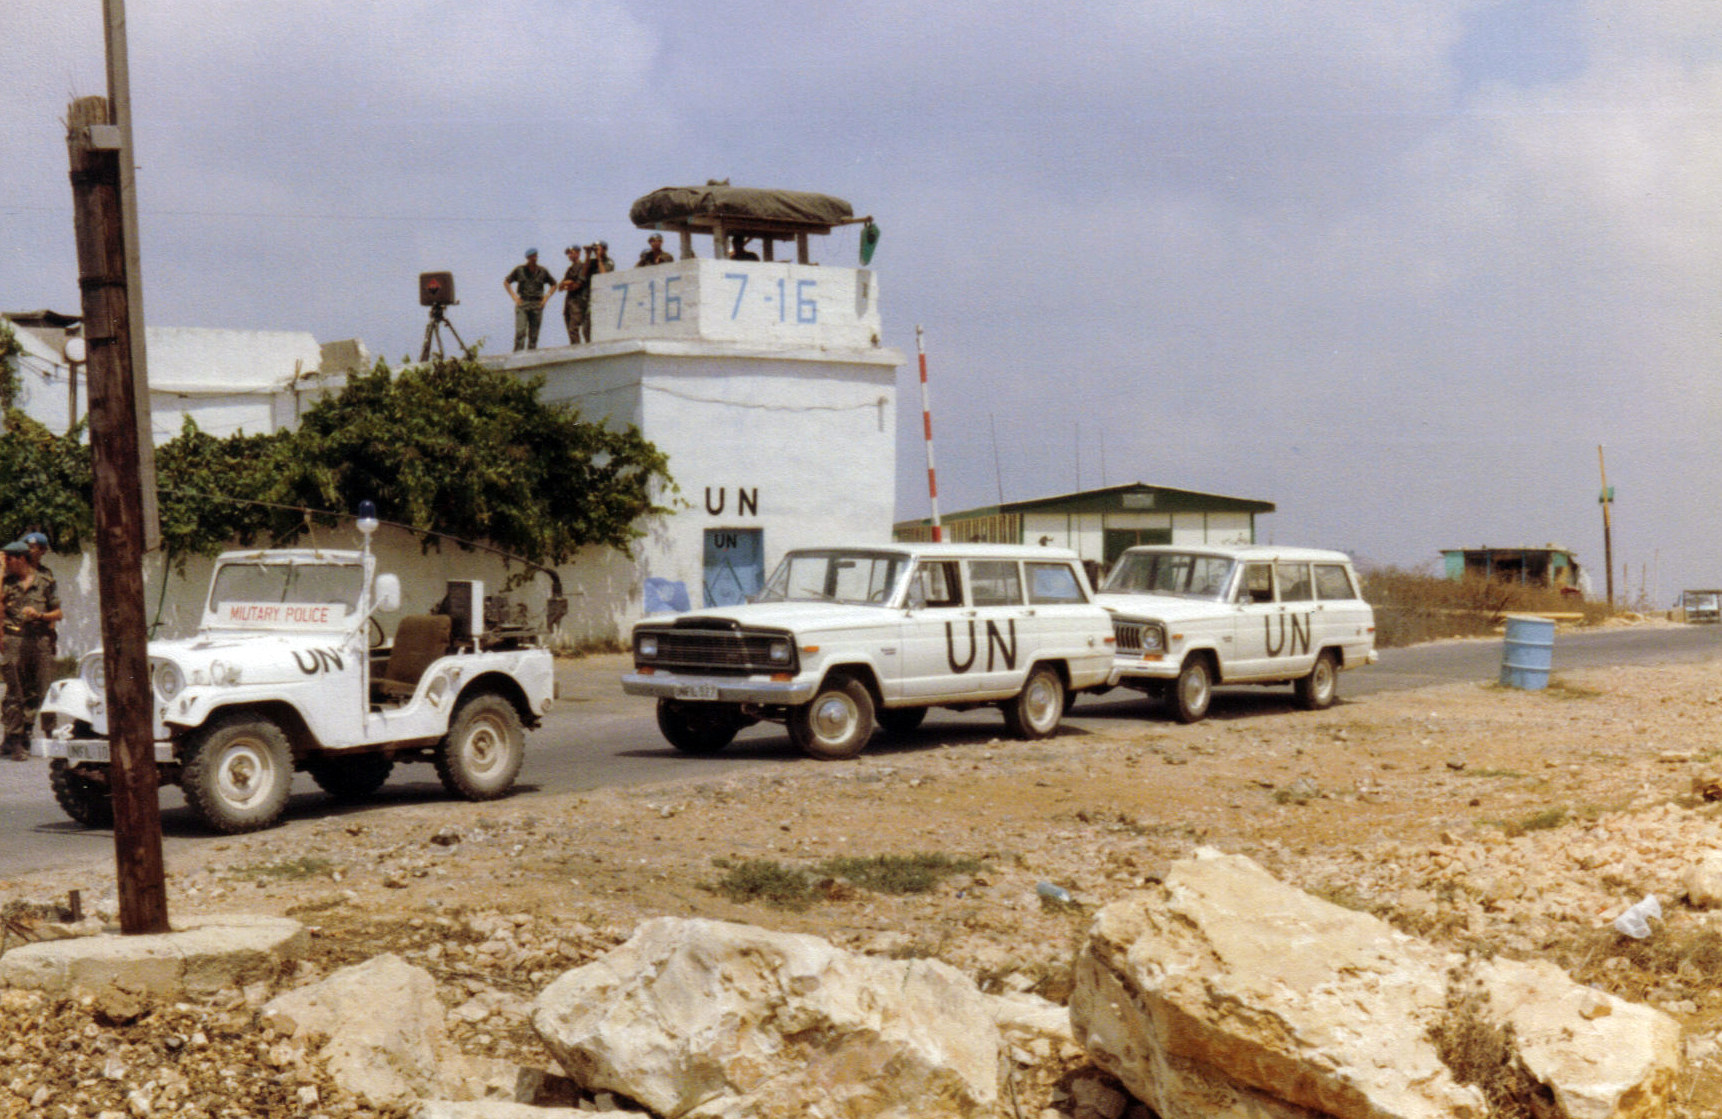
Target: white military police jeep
[[289, 670], [842, 639], [1188, 618]]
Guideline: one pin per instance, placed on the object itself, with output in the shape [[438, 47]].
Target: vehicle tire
[[350, 777], [83, 798], [836, 723], [900, 720], [237, 773], [1316, 691], [1193, 690], [480, 756], [1036, 710], [698, 728]]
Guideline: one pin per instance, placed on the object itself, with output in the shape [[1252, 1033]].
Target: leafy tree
[[198, 476], [10, 349], [46, 479]]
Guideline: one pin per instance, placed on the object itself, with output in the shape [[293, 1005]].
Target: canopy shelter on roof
[[726, 211]]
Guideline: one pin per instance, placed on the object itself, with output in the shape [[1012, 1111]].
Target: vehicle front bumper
[[1157, 668], [96, 750], [720, 689]]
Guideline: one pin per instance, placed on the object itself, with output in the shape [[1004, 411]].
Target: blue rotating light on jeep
[[367, 516]]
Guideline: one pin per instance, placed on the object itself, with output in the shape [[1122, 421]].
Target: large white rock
[[385, 1035], [1229, 994], [1603, 1057], [705, 1019]]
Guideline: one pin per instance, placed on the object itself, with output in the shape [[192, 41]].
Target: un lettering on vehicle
[[1296, 642], [997, 646]]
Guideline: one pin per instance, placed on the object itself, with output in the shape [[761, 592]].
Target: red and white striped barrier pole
[[927, 425]]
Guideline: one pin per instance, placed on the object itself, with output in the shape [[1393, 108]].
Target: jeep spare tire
[[237, 773], [480, 756]]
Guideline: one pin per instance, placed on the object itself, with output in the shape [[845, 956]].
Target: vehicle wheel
[[83, 798], [1192, 691], [836, 723], [901, 720], [480, 756], [1036, 710], [350, 776], [1315, 692], [698, 728], [237, 773]]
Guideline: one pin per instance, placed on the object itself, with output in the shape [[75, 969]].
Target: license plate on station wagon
[[696, 691]]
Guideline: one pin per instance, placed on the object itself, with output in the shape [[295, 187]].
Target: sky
[[1400, 268]]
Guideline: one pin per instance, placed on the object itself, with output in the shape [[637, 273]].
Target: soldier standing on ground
[[32, 606], [532, 284]]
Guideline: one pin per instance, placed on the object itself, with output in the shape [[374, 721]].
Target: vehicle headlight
[[167, 678], [1153, 639], [94, 673], [646, 646], [778, 650]]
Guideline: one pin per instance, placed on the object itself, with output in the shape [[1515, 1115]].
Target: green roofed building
[[1099, 524]]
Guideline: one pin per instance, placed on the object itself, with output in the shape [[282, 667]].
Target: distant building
[[228, 381], [1547, 566], [1099, 524]]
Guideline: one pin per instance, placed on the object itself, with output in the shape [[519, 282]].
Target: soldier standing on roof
[[532, 284]]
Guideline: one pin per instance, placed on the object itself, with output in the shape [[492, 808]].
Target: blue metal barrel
[[1528, 652]]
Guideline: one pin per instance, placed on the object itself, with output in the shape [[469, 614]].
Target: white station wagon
[[1188, 618], [843, 639]]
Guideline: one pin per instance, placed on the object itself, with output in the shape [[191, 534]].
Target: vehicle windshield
[[1177, 574], [286, 594], [863, 578]]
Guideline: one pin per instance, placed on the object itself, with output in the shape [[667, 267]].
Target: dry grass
[[1411, 607]]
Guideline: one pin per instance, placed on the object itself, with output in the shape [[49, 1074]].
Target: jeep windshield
[[285, 595], [1175, 574], [859, 577]]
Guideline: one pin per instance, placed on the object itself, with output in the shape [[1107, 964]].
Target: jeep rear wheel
[[82, 797], [1037, 709], [237, 773], [350, 777], [1315, 692], [480, 756], [836, 723], [698, 728], [1192, 691]]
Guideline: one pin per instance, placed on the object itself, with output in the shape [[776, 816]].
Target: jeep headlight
[[778, 651], [167, 679], [646, 646], [1153, 639], [94, 674]]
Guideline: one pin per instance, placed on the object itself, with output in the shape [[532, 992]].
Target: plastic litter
[[1053, 893], [1635, 922]]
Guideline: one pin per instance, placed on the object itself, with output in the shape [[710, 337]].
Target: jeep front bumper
[[720, 689], [97, 750]]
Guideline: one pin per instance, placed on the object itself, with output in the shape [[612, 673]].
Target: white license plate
[[696, 691], [82, 750]]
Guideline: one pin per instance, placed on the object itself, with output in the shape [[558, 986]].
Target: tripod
[[433, 329]]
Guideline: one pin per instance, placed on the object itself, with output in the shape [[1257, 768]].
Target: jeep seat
[[419, 640]]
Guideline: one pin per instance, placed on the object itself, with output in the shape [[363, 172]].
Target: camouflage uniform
[[574, 307], [532, 283], [28, 648], [654, 256]]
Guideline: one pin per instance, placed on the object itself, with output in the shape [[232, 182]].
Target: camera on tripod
[[436, 291]]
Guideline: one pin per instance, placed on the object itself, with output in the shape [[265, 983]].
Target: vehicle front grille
[[717, 651], [1128, 636]]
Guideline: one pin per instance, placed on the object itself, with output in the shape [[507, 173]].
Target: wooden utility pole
[[1607, 500], [94, 145]]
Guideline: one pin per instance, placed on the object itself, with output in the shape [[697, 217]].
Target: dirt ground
[[1483, 818]]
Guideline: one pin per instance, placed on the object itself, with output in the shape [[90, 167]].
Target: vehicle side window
[[1294, 583], [994, 583], [1332, 581], [1053, 583], [1257, 585], [937, 584]]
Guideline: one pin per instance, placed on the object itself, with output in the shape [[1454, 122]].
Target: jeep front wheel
[[237, 773], [1192, 691], [1037, 709], [82, 797], [481, 754], [698, 728], [836, 723]]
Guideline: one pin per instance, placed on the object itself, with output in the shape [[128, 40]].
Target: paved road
[[599, 737]]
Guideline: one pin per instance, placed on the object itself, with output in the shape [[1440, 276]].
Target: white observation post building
[[763, 381]]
